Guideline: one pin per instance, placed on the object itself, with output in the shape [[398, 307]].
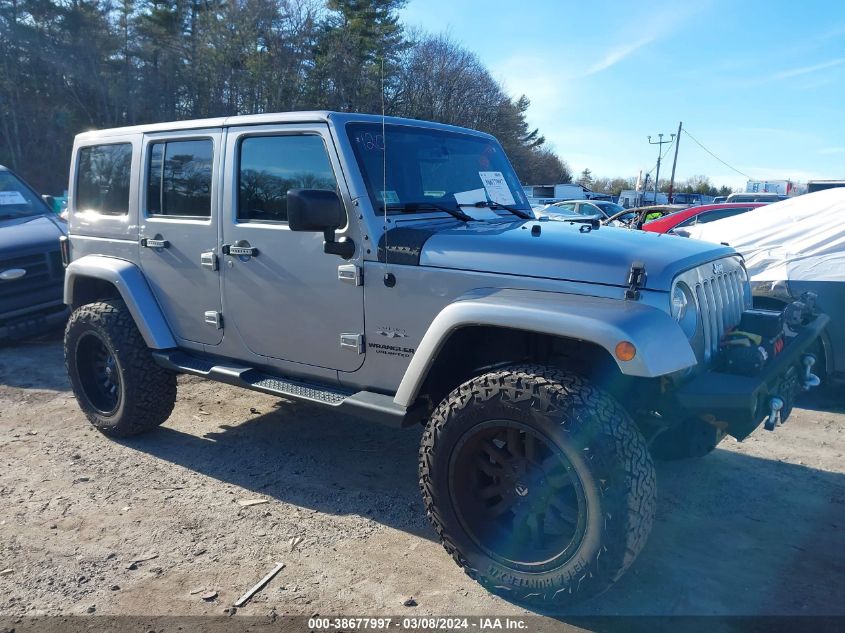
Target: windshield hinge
[[636, 280]]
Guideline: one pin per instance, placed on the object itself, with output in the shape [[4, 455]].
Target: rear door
[[179, 230], [289, 300]]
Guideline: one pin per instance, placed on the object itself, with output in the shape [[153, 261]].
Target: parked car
[[703, 214], [790, 248], [636, 217], [31, 271], [413, 286], [599, 208], [756, 197]]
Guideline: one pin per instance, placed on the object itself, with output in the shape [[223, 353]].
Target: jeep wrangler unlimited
[[391, 269]]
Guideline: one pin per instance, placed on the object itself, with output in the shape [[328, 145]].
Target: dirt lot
[[754, 528]]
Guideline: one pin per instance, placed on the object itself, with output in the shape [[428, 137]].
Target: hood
[[556, 250], [30, 233]]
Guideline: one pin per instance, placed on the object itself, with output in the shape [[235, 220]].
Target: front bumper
[[742, 402]]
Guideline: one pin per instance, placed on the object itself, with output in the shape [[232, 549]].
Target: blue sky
[[761, 83]]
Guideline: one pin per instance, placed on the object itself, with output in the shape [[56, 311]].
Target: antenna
[[389, 279]]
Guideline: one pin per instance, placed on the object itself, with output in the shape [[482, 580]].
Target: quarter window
[[102, 183], [271, 165], [179, 178]]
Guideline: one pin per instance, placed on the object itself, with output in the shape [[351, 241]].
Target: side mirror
[[319, 210]]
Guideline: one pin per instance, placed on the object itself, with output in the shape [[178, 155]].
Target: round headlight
[[683, 308]]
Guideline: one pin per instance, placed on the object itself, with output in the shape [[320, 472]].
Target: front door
[[179, 230], [288, 300]]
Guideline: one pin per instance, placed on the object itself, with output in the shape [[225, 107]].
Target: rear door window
[[102, 182], [179, 178]]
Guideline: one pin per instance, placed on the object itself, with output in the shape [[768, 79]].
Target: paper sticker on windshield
[[467, 200], [496, 187], [390, 197], [11, 197]]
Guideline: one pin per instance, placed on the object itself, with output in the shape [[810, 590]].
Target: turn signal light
[[625, 350]]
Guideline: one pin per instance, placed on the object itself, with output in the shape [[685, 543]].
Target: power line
[[697, 142]]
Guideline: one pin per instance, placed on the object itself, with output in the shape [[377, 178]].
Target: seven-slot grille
[[720, 298], [41, 284]]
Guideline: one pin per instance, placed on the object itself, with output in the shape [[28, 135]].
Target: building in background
[[546, 194], [818, 185], [782, 187]]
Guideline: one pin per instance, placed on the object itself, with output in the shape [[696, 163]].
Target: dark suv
[[31, 272]]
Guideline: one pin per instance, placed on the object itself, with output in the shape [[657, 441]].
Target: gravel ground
[[155, 524]]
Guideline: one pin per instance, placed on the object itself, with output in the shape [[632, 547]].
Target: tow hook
[[775, 406], [810, 379]]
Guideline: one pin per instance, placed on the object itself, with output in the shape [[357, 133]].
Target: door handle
[[240, 250], [148, 242]]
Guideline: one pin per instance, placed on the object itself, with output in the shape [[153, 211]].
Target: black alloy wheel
[[99, 373], [517, 495]]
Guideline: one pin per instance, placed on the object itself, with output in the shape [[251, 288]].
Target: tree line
[[614, 186], [72, 65]]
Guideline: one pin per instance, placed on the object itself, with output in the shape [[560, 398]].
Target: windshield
[[17, 200], [609, 208], [426, 165]]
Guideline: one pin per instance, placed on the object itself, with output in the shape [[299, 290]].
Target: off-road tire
[[689, 439], [605, 448], [147, 392]]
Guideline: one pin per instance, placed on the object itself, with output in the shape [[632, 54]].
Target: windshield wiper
[[414, 207], [498, 205]]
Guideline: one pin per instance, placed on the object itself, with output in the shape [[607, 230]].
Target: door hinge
[[351, 273], [636, 280], [212, 317], [353, 342], [208, 259]]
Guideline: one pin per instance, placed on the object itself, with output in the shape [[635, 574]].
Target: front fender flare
[[662, 347], [133, 289]]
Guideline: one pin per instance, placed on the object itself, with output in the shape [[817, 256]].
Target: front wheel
[[538, 483], [118, 385]]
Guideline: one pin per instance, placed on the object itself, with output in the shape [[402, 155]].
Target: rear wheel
[[538, 483], [118, 385]]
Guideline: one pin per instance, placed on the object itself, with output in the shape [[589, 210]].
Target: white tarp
[[802, 238]]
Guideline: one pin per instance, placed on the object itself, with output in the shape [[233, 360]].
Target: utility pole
[[674, 163], [641, 201], [660, 143]]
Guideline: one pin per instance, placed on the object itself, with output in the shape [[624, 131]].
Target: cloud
[[616, 55], [806, 70], [665, 22]]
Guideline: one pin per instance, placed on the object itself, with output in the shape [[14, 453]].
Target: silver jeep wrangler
[[392, 269]]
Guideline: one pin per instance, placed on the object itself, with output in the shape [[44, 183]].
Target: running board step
[[367, 404]]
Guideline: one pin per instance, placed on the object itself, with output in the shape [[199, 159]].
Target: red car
[[699, 215]]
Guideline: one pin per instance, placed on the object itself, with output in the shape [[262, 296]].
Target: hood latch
[[636, 280]]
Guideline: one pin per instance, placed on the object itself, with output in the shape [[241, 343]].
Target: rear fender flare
[[133, 289]]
